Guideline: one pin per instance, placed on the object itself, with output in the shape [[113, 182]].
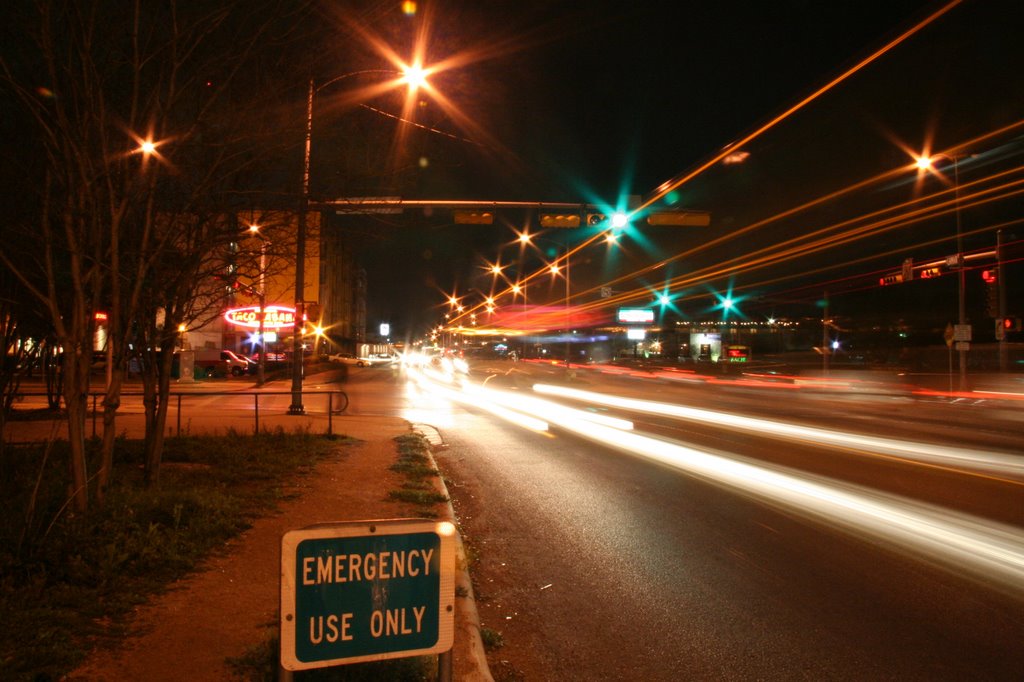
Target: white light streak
[[992, 551], [433, 387], [987, 550], [987, 462]]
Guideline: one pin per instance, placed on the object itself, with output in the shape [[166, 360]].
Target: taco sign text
[[274, 317]]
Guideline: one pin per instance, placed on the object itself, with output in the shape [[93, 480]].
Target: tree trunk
[[156, 425], [111, 403], [151, 453], [76, 396]]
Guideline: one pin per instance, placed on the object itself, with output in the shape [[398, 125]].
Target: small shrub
[[417, 496], [492, 639]]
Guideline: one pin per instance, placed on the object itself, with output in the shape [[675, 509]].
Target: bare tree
[[139, 135]]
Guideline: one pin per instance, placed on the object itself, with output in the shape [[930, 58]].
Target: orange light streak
[[665, 188]]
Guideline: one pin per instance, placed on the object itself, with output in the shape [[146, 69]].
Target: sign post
[[366, 591]]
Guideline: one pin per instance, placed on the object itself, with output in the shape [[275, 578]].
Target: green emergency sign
[[366, 591]]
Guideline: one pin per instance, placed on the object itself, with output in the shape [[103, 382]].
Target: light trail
[[433, 386], [989, 463], [671, 185], [990, 552], [831, 237], [524, 410]]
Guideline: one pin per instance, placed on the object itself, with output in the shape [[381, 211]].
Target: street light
[[925, 163], [413, 76], [261, 371], [526, 238]]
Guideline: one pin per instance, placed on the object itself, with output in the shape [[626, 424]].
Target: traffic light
[[894, 278], [594, 219], [1011, 324], [473, 217], [559, 219], [991, 278]]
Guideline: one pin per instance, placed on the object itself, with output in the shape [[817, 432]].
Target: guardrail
[[336, 403]]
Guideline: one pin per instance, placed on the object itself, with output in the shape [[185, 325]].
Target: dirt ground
[[188, 632]]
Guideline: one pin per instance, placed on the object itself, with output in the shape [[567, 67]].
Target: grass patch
[[415, 464], [68, 580], [418, 497], [413, 469]]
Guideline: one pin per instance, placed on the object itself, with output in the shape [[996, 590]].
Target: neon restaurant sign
[[275, 317]]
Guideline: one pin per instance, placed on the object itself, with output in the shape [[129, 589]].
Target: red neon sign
[[275, 317]]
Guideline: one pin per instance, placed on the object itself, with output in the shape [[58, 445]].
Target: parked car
[[222, 362], [350, 359]]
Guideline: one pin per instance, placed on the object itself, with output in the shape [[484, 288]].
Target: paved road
[[598, 564]]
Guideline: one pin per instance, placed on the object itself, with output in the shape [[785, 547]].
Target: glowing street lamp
[[414, 77], [927, 163], [555, 269], [261, 366]]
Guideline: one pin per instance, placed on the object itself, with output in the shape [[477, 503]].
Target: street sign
[[962, 332], [635, 316], [366, 591], [681, 217], [367, 205]]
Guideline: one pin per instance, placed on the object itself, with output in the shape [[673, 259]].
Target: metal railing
[[336, 403]]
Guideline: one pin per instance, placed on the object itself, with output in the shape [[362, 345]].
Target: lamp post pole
[[300, 270], [414, 77], [926, 162], [261, 372]]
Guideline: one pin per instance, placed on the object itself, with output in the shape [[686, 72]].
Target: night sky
[[593, 101]]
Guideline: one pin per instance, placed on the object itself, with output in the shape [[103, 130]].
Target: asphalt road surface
[[596, 563]]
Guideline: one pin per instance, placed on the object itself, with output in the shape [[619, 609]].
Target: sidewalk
[[231, 604]]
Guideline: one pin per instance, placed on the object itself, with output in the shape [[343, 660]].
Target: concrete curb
[[467, 620]]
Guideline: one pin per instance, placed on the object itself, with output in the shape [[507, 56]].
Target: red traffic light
[[989, 276], [895, 278], [1011, 324]]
